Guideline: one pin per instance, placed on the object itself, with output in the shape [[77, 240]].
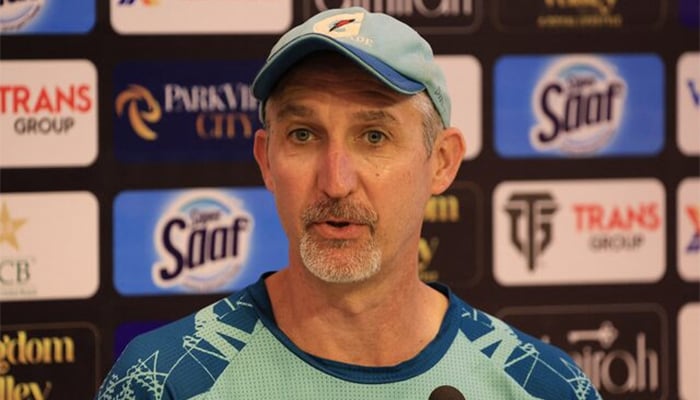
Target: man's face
[[346, 161]]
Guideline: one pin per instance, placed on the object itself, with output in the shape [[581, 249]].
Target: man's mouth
[[338, 224]]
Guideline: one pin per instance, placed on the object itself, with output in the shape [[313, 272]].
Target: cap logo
[[341, 25]]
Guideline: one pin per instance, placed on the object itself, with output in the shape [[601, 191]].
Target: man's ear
[[260, 152], [447, 157]]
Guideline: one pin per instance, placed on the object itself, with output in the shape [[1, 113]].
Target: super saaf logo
[[579, 105], [46, 16], [195, 241]]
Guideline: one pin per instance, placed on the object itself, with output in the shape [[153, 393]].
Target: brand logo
[[14, 271], [343, 25], [14, 14], [573, 14], [48, 113], [201, 16], [694, 243], [424, 16], [202, 240], [33, 245], [580, 105], [621, 348], [21, 100], [688, 228], [443, 250], [616, 227], [539, 225], [688, 348], [440, 209], [21, 17], [688, 103], [534, 212], [130, 99], [47, 361], [194, 113]]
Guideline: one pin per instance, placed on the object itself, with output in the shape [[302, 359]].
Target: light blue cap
[[384, 46]]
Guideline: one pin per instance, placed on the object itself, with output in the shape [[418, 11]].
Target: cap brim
[[304, 45]]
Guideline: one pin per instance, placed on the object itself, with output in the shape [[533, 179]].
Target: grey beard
[[348, 267], [325, 259]]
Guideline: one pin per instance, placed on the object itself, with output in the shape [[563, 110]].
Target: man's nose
[[337, 174]]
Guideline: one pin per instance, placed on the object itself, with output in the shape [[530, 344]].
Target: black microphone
[[446, 393]]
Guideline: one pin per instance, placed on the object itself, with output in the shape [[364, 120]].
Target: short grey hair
[[432, 123]]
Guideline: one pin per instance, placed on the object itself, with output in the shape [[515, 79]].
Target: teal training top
[[233, 349]]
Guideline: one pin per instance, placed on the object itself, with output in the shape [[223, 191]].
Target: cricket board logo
[[202, 241], [578, 105], [622, 348]]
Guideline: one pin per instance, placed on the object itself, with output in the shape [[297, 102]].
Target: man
[[357, 138]]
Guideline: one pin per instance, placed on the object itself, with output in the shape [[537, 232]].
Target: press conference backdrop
[[130, 197]]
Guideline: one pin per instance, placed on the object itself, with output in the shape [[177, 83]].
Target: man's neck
[[375, 323]]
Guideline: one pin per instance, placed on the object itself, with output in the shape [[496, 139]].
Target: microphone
[[446, 393]]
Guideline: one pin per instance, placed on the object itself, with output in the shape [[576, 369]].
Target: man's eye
[[301, 135], [375, 137]]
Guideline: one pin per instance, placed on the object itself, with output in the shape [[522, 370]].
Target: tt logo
[[535, 210]]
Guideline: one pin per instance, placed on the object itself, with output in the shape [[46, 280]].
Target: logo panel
[[48, 361], [688, 229], [623, 349], [48, 113], [195, 241], [442, 16], [46, 16], [532, 15], [688, 103], [463, 76], [688, 350], [579, 232], [200, 17], [578, 106], [185, 111], [48, 246], [450, 248]]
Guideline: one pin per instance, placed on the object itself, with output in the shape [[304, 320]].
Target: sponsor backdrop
[[130, 198]]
